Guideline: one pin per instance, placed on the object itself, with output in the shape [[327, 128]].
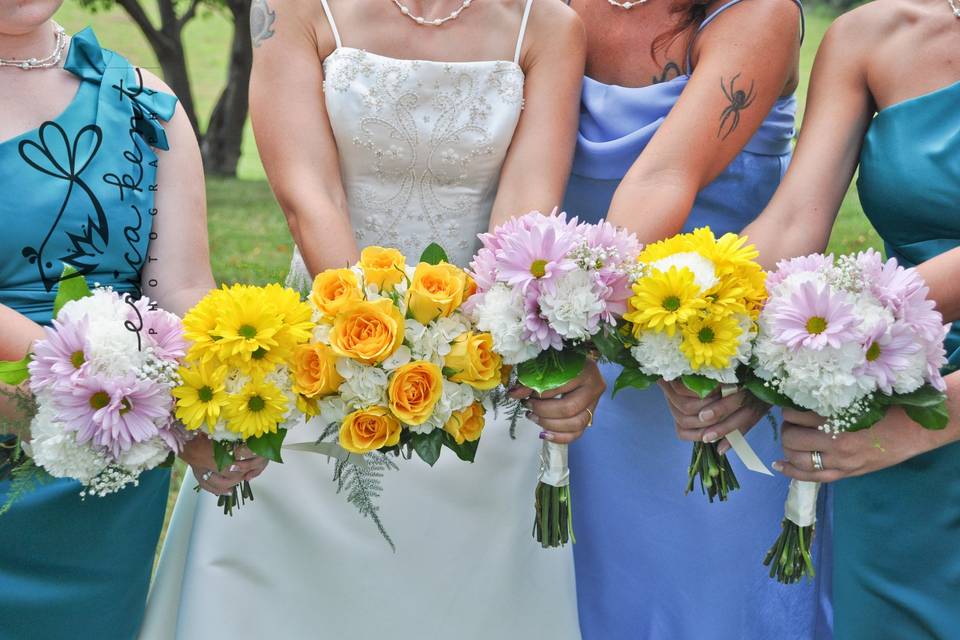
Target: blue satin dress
[[77, 191], [897, 541], [652, 563]]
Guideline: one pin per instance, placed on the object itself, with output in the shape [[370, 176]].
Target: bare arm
[[940, 274], [537, 165], [800, 216], [294, 137], [746, 58]]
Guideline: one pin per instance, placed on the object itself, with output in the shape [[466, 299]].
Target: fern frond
[[364, 486]]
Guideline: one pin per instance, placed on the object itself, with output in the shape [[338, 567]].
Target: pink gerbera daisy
[[537, 254], [803, 264], [887, 354], [61, 356], [813, 318], [163, 330]]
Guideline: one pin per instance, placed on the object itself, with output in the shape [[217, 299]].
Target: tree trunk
[[223, 139], [173, 64]]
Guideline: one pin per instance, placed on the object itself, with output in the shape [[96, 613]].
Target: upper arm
[[537, 164], [178, 257], [839, 108]]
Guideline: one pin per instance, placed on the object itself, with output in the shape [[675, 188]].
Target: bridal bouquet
[[845, 338], [693, 317], [101, 379], [237, 378], [546, 287]]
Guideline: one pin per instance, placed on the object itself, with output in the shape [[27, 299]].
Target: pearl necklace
[[954, 8], [51, 60], [405, 10], [629, 5]]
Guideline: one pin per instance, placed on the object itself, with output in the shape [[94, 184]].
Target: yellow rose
[[315, 371], [414, 390], [382, 267], [470, 287], [369, 429], [436, 290], [467, 424], [333, 290], [475, 362], [368, 332]]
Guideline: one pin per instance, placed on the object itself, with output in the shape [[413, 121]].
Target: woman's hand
[[889, 442], [565, 413], [198, 453], [713, 417]]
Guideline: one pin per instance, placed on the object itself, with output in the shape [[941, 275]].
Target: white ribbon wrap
[[554, 469], [801, 507], [739, 444]]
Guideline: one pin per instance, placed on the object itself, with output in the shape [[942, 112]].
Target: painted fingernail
[[777, 466], [710, 437], [234, 468], [546, 435], [706, 415], [532, 417]]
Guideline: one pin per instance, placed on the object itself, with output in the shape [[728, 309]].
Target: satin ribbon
[[740, 445], [801, 507], [554, 468]]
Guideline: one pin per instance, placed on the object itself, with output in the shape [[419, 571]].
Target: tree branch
[[189, 14], [136, 12]]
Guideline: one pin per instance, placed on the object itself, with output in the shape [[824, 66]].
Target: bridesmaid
[[687, 119], [884, 93], [76, 114]]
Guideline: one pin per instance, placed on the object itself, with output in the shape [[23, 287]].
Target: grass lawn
[[248, 236]]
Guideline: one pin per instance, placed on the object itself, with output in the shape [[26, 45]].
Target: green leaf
[[609, 344], [434, 254], [874, 414], [925, 396], [13, 372], [222, 455], [268, 445], [428, 445], [466, 451], [449, 372], [72, 287], [934, 418], [551, 369], [632, 378], [700, 385], [769, 395]]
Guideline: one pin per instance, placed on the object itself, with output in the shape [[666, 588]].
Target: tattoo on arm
[[739, 100], [261, 21], [671, 70]]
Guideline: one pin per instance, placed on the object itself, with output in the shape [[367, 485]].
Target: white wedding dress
[[421, 145]]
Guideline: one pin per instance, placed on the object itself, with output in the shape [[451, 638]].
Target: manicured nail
[[546, 435], [234, 468], [532, 417], [711, 437], [777, 466], [706, 415]]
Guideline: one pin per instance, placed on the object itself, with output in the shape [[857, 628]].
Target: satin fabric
[[897, 541], [72, 568]]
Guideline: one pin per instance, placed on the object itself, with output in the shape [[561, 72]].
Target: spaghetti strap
[[523, 30], [333, 25], [710, 18]]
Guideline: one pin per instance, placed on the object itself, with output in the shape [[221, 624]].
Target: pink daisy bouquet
[[546, 287], [101, 381], [845, 338]]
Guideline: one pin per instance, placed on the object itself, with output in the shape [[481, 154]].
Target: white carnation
[[704, 273], [142, 456], [659, 354], [572, 307], [501, 313], [57, 451]]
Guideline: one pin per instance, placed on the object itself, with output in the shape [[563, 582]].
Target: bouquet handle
[[789, 558], [553, 524]]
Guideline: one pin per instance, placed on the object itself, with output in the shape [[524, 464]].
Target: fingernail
[[234, 468], [711, 437], [706, 415], [546, 435], [532, 417], [777, 466], [723, 448]]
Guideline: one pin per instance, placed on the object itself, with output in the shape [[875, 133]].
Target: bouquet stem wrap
[[553, 525], [789, 558]]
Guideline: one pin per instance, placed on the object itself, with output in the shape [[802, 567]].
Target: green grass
[[249, 240]]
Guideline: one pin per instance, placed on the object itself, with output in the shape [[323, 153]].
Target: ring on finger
[[590, 413], [206, 475], [817, 459]]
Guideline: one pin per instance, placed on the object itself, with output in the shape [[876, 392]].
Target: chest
[[28, 98]]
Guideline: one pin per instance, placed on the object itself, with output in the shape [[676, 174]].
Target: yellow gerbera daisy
[[201, 397], [729, 295], [257, 409], [729, 254], [247, 324], [677, 244], [199, 326], [296, 315], [663, 300], [710, 341]]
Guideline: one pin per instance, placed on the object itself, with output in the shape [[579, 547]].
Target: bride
[[396, 123]]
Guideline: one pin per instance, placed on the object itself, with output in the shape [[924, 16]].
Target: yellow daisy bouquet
[[237, 377], [693, 318], [395, 366]]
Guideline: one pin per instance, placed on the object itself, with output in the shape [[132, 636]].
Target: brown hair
[[688, 13]]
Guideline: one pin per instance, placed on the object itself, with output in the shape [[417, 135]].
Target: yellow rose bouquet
[[238, 375], [693, 318], [394, 365]]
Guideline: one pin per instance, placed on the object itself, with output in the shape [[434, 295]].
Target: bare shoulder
[[554, 27], [775, 18]]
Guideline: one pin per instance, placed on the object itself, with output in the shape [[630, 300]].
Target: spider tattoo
[[739, 100]]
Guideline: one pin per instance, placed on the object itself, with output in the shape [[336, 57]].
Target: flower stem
[[789, 558], [716, 476], [553, 524], [237, 497]]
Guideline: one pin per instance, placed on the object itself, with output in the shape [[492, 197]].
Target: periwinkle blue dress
[[651, 563], [897, 540], [77, 191]]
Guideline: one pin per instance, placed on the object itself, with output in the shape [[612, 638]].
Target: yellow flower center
[[205, 393], [873, 352], [125, 406], [77, 359], [816, 325], [247, 331], [538, 268], [99, 400], [706, 335], [256, 403], [671, 303]]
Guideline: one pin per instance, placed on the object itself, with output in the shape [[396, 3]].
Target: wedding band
[[590, 413], [817, 460], [206, 475]]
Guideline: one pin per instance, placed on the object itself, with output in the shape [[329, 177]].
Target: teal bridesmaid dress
[[79, 190], [897, 531]]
